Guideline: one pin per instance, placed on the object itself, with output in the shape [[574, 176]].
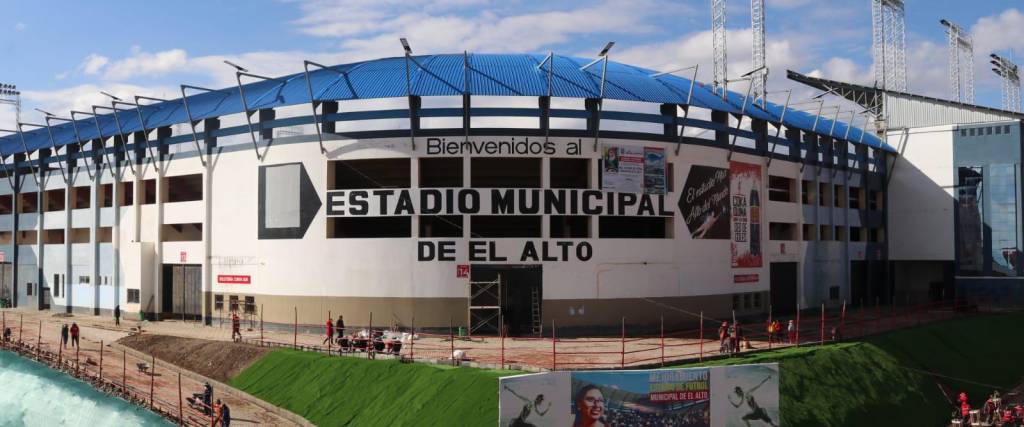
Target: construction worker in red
[[329, 329], [236, 327], [74, 334]]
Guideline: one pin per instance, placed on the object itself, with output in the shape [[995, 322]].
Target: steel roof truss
[[14, 166], [103, 149], [689, 96], [142, 124], [782, 120], [63, 174], [78, 140], [313, 102], [120, 132], [739, 117], [248, 112]]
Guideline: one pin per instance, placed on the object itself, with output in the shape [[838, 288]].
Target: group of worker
[[993, 412], [331, 328]]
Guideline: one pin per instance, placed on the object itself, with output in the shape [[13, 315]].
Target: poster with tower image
[[745, 205]]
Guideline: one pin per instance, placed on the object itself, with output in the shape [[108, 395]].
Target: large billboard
[[688, 397], [631, 169], [745, 189]]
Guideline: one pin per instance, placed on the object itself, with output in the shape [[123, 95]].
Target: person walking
[[225, 415], [217, 415], [735, 333], [339, 326], [723, 336], [329, 329], [64, 335], [236, 327], [791, 331], [74, 334], [117, 315]]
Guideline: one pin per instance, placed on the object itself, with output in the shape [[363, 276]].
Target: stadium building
[[476, 189]]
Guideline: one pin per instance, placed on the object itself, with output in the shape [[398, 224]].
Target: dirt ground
[[214, 359]]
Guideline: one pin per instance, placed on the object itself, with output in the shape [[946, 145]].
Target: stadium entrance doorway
[[783, 287], [515, 295], [182, 291]]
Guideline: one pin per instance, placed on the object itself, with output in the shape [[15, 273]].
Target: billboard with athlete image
[[745, 396], [538, 400]]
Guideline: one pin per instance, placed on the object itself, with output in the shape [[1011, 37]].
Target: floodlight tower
[[888, 25], [1011, 81], [961, 43], [718, 43], [9, 94], [759, 80]]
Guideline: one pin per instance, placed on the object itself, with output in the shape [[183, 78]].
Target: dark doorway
[[858, 283], [783, 287], [879, 283], [182, 291], [521, 293]]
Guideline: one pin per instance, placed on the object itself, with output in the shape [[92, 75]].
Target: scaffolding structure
[[718, 43], [889, 41], [961, 44], [1009, 72], [759, 80]]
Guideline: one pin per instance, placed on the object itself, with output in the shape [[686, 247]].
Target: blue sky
[[62, 53]]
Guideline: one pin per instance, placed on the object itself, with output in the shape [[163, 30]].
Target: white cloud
[[20, 26], [93, 63], [82, 98], [147, 64]]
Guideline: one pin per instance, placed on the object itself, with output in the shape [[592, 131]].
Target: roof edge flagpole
[[248, 112], [782, 121], [689, 97], [103, 149], [53, 145], [142, 124], [24, 146], [313, 102], [78, 140], [120, 132], [550, 59], [603, 58]]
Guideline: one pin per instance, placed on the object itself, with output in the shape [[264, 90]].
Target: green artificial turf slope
[[339, 391], [847, 384], [878, 382]]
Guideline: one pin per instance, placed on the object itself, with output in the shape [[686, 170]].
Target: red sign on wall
[[234, 279], [462, 271], [3, 256], [745, 278], [184, 257]]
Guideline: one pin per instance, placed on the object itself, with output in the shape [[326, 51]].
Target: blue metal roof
[[435, 75]]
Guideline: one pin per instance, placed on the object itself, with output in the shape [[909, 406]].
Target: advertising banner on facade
[[623, 168], [687, 397], [704, 202], [745, 395], [745, 196], [654, 170]]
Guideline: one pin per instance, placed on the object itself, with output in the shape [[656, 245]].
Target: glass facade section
[[1002, 218], [971, 220]]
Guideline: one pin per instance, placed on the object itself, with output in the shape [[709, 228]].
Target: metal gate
[[485, 307], [187, 285]]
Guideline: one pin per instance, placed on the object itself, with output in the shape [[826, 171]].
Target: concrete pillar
[[16, 206], [327, 107], [210, 125], [65, 290], [40, 207]]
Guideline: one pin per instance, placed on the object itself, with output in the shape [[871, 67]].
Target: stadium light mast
[[10, 95], [757, 29], [720, 58], [961, 43], [889, 41], [1011, 81]]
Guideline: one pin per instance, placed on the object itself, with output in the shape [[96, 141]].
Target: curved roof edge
[[434, 75]]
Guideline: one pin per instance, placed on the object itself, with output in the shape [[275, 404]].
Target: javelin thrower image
[[530, 407], [757, 413]]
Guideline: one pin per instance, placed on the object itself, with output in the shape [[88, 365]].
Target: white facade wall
[[921, 195]]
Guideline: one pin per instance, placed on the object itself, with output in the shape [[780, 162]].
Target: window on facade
[[494, 172], [780, 189], [838, 196], [441, 226], [570, 173], [757, 300], [6, 204], [233, 303], [440, 172], [840, 233], [106, 195], [53, 237], [84, 280], [855, 196], [807, 196], [149, 192], [856, 234], [369, 227], [56, 285], [29, 288], [876, 235], [133, 296], [825, 232], [566, 226], [781, 231], [833, 293], [28, 202], [81, 197], [218, 302], [127, 194], [189, 232], [736, 298], [54, 200], [505, 225], [874, 200], [747, 299], [1003, 219], [634, 227], [824, 194], [370, 173], [250, 305], [809, 232], [184, 188]]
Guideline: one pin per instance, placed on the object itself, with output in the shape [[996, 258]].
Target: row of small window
[[787, 231], [183, 188], [497, 226], [233, 304], [185, 232], [59, 284], [747, 301], [781, 189], [447, 172], [985, 130]]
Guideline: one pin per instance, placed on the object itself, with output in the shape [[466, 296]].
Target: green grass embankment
[[338, 391], [875, 382], [879, 381]]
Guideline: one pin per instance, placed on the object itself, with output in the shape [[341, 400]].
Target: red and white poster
[[234, 279], [745, 206]]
